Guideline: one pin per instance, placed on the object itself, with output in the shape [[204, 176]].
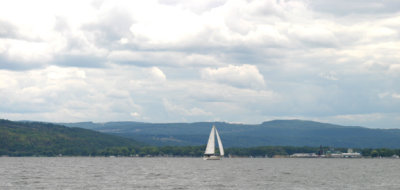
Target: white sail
[[221, 148], [211, 142]]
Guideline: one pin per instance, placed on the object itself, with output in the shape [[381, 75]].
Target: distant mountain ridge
[[270, 133]]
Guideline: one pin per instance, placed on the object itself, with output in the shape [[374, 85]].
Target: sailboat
[[209, 154]]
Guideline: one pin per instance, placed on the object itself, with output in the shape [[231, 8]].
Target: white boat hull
[[212, 158]]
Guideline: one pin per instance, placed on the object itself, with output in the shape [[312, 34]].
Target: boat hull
[[212, 158]]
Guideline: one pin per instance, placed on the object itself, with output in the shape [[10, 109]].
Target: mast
[[210, 150], [221, 148]]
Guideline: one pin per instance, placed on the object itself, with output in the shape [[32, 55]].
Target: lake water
[[194, 173]]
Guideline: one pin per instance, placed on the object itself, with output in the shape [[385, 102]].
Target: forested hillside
[[35, 138]]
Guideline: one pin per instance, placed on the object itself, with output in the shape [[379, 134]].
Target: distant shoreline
[[4, 156]]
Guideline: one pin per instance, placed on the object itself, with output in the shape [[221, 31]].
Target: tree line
[[190, 151]]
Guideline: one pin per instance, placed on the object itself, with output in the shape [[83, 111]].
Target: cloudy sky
[[243, 61]]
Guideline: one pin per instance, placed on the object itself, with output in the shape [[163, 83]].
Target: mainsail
[[210, 150], [211, 143]]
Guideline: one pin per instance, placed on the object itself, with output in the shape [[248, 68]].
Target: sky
[[239, 61]]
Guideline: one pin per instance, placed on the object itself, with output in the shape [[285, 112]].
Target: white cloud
[[394, 68], [244, 76], [396, 96], [317, 34], [361, 117], [157, 74], [182, 111], [135, 114], [381, 32]]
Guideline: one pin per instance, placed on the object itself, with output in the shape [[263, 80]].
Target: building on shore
[[304, 155], [328, 154], [351, 155]]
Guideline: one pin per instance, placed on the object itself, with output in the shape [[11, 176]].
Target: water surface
[[194, 173]]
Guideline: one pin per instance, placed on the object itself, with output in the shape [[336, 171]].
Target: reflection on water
[[195, 173]]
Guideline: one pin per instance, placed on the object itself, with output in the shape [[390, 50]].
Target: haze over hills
[[277, 132]]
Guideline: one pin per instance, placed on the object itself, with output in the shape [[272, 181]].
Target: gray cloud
[[7, 30], [79, 61], [110, 28], [366, 7], [7, 64]]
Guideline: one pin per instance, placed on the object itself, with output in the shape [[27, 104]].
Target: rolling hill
[[36, 138], [271, 133]]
